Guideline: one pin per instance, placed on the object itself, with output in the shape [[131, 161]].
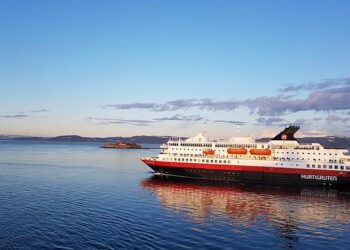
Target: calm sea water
[[79, 196]]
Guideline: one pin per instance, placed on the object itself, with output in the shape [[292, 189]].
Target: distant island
[[122, 145]]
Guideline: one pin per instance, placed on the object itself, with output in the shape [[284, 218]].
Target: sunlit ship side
[[281, 160]]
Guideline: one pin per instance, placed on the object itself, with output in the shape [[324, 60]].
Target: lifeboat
[[237, 151], [209, 152], [256, 151]]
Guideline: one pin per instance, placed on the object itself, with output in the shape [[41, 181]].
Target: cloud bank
[[18, 115], [181, 118], [269, 121], [231, 122], [177, 117], [39, 111], [14, 116], [329, 95], [316, 86], [106, 121]]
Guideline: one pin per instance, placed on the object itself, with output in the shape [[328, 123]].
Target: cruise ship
[[281, 160]]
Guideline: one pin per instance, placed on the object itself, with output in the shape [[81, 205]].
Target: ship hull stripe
[[244, 168], [253, 177]]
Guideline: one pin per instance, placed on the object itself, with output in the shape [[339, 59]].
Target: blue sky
[[108, 68]]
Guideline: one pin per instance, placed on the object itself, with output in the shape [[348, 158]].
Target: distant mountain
[[143, 139], [328, 142]]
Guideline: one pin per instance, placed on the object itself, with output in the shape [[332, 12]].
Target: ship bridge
[[198, 138]]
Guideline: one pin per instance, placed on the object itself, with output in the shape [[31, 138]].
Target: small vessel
[[281, 160]]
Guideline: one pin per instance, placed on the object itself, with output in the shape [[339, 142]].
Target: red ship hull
[[257, 174]]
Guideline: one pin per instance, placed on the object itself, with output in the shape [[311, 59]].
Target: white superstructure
[[246, 151]]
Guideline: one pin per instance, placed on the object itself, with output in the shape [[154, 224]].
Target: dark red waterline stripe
[[277, 170]]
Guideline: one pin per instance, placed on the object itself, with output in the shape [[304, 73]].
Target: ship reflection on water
[[286, 210]]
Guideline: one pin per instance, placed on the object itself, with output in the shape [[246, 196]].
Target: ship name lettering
[[318, 177]]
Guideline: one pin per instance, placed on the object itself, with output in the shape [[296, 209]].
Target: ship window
[[313, 165], [324, 166], [211, 161], [330, 166], [347, 167], [297, 164], [319, 166], [219, 161], [342, 167], [307, 165], [207, 161], [224, 161], [335, 166]]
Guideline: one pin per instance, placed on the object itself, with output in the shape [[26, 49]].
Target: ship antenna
[[204, 131]]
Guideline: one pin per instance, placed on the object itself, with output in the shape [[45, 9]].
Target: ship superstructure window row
[[224, 161], [341, 167]]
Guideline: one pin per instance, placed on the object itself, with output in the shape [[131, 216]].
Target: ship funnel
[[287, 134]]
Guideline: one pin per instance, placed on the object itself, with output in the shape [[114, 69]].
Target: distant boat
[[281, 160]]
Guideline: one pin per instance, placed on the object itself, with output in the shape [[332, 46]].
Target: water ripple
[[65, 198]]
